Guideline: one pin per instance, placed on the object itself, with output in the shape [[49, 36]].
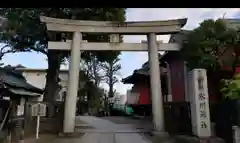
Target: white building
[[37, 77], [119, 99]]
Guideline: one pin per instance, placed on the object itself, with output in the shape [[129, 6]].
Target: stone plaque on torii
[[149, 28]]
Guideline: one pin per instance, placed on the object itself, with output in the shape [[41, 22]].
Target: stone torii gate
[[149, 28]]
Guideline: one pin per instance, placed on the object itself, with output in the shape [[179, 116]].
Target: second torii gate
[[149, 28]]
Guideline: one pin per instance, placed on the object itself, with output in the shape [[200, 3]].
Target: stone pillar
[[199, 99], [155, 84], [73, 77]]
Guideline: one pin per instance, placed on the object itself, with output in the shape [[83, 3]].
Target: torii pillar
[[73, 77], [155, 83], [149, 28]]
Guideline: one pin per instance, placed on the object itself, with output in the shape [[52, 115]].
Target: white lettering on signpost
[[199, 103]]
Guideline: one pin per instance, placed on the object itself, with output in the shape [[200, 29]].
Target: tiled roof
[[13, 79]]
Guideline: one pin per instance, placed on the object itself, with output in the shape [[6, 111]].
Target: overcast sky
[[132, 60]]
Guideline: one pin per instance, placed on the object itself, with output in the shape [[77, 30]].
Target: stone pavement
[[111, 124], [112, 130], [106, 131], [125, 130], [106, 138], [97, 138], [101, 131]]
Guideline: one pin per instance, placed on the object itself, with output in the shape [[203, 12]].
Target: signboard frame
[[38, 110]]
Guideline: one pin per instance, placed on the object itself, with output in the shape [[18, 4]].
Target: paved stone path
[[106, 131]]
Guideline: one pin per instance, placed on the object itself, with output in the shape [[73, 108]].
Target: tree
[[86, 89], [25, 32], [92, 67], [231, 87], [111, 69], [212, 46], [5, 49], [208, 45], [92, 63]]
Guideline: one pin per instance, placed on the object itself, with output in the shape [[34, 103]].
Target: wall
[[37, 77], [142, 90], [177, 79], [123, 99], [132, 97], [119, 99], [139, 94], [179, 82]]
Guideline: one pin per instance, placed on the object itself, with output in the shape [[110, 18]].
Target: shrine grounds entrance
[[76, 45]]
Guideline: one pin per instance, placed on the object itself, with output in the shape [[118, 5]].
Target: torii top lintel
[[131, 28]]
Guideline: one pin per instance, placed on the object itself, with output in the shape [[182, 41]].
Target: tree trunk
[[95, 71], [110, 89], [52, 77], [111, 80]]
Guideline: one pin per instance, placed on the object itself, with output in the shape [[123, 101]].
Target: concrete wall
[[37, 77], [119, 99], [132, 97], [123, 99]]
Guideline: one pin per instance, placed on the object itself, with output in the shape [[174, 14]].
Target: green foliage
[[231, 88], [208, 45], [25, 32]]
